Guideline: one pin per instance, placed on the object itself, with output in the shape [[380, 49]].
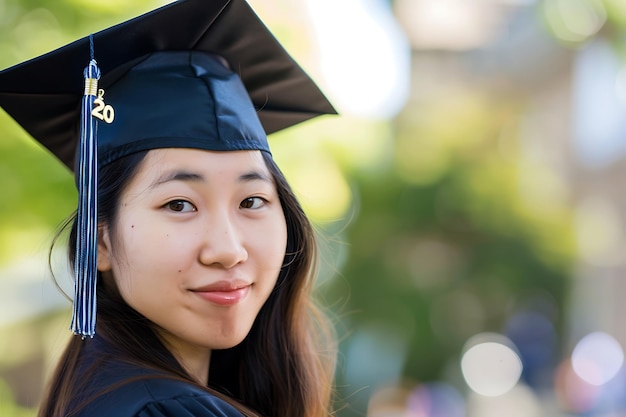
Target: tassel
[[85, 265]]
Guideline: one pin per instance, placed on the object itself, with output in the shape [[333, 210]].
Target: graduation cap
[[203, 74]]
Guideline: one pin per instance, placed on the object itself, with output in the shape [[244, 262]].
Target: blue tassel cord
[[85, 266]]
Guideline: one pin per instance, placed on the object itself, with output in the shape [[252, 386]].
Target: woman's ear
[[104, 249]]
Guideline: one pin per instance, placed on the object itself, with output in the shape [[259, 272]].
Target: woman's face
[[198, 243]]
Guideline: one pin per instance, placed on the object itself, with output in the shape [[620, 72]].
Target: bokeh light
[[597, 358], [520, 401], [575, 20], [490, 365], [321, 187], [366, 66], [599, 106], [447, 24]]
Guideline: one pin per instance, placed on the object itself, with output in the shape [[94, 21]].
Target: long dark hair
[[284, 367]]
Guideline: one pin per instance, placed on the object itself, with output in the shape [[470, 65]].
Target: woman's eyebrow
[[255, 176], [189, 176], [178, 175]]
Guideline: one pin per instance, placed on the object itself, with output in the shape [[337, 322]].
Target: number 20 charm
[[102, 111]]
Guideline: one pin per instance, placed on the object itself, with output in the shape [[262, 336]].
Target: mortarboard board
[[210, 66]]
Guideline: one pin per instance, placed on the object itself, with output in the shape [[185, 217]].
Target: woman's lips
[[224, 293]]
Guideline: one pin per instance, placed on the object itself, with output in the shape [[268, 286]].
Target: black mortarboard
[[194, 74], [43, 94]]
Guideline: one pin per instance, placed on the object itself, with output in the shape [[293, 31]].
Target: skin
[[188, 221]]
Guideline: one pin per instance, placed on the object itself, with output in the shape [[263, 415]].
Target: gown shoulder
[[122, 389]]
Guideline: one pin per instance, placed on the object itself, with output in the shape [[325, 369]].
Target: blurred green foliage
[[41, 190], [576, 22], [446, 244], [8, 406]]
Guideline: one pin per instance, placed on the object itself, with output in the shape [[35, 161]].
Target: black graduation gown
[[154, 396]]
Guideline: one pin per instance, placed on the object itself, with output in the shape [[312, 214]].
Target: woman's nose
[[222, 244]]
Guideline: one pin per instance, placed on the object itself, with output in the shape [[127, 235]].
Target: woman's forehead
[[161, 163], [192, 155]]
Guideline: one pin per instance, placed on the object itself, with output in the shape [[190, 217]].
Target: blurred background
[[468, 201]]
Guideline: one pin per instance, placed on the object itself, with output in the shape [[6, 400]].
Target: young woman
[[205, 259], [206, 263]]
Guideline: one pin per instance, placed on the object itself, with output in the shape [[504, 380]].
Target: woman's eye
[[180, 206], [252, 203]]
